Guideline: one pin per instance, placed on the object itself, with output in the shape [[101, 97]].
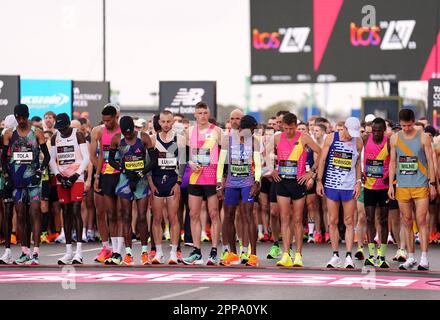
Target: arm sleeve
[[86, 158], [220, 166], [112, 161], [257, 161], [52, 163], [5, 158], [46, 156], [152, 154]]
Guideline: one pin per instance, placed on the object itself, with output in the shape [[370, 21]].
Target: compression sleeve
[[220, 166]]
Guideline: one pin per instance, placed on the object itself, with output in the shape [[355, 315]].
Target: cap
[[126, 124], [10, 121], [140, 123], [353, 125], [62, 120], [21, 110], [370, 117], [248, 122]]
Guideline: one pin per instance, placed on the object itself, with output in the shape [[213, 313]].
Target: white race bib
[[167, 162], [22, 156]]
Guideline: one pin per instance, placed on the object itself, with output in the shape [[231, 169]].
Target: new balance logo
[[294, 40], [398, 35], [188, 97]]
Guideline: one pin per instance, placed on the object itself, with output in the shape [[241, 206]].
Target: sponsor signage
[[9, 94], [434, 102], [89, 97]]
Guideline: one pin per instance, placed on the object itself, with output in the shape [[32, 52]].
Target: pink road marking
[[366, 281]]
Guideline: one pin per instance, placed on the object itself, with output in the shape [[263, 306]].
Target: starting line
[[368, 280]]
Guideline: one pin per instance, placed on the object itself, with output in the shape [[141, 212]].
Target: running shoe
[[128, 260], [286, 261], [390, 239], [115, 259], [152, 254], [408, 264], [327, 237], [306, 235], [298, 260], [231, 258], [335, 262], [145, 259], [74, 236], [376, 238], [359, 253], [60, 239], [382, 263], [103, 255], [318, 237], [194, 258], [437, 237], [274, 252], [253, 261], [291, 254], [6, 258], [400, 256], [370, 262], [34, 261], [158, 259], [179, 256], [260, 236], [173, 259], [167, 235], [349, 264], [311, 239], [66, 259], [188, 244], [417, 238], [204, 238], [44, 238], [23, 259], [432, 238], [266, 237], [244, 257], [224, 255], [213, 259], [77, 259], [13, 239], [84, 237], [90, 236], [424, 265]]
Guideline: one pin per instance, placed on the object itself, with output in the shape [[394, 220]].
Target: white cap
[[370, 117], [354, 127], [140, 123], [10, 121]]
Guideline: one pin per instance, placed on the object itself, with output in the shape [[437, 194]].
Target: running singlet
[[106, 141], [376, 164], [412, 166], [132, 156], [204, 151], [240, 155], [167, 163], [68, 155], [24, 158], [292, 157], [341, 160]]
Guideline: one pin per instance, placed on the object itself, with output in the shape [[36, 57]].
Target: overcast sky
[[149, 41]]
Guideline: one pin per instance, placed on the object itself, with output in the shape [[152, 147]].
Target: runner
[[241, 152], [376, 171], [411, 163], [69, 160], [132, 184], [23, 170], [203, 140], [340, 161], [291, 179], [165, 182]]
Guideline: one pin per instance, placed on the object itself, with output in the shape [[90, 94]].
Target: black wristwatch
[[179, 182], [433, 183]]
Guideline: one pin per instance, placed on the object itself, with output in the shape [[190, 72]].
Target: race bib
[[287, 169], [202, 156], [106, 152], [134, 165], [65, 155], [342, 161], [21, 157], [374, 168], [238, 170], [166, 163], [408, 165]]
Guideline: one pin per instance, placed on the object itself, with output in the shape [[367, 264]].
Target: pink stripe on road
[[363, 280]]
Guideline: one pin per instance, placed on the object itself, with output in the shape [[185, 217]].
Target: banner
[[434, 102], [89, 98], [9, 94], [384, 107], [47, 95], [182, 96], [344, 41]]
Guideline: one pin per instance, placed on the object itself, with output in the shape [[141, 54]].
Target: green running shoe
[[370, 262], [24, 259], [194, 258], [383, 263], [274, 253], [244, 258], [224, 255]]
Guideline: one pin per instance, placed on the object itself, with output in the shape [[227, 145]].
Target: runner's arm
[[222, 159], [324, 152], [53, 153], [257, 159], [83, 147], [5, 149], [95, 136], [392, 170], [152, 153], [112, 154], [427, 144], [43, 147]]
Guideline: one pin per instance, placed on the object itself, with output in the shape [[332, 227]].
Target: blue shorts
[[27, 195], [233, 196], [164, 185], [123, 188], [338, 195]]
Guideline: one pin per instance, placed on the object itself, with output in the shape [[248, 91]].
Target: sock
[[245, 249], [424, 255], [69, 249], [24, 250], [114, 244], [336, 253], [121, 244], [173, 249], [159, 250], [226, 248], [276, 243], [128, 251], [84, 234], [79, 248], [311, 227], [411, 256], [214, 250], [44, 221], [62, 232], [348, 254], [203, 234], [260, 228], [106, 244], [90, 231], [383, 250], [36, 251], [167, 227], [8, 250], [371, 248], [144, 249]]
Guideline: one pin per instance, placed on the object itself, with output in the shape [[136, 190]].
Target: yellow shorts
[[408, 194]]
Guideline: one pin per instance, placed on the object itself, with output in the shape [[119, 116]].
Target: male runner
[[69, 159]]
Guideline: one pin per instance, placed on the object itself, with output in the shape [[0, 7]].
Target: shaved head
[[235, 118]]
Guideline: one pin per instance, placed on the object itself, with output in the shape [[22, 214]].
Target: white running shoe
[[173, 259], [158, 259], [390, 239], [84, 237], [61, 239], [77, 259], [66, 259], [6, 258], [335, 262], [424, 264], [409, 264], [349, 264]]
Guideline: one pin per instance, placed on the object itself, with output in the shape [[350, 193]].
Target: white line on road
[[180, 293], [62, 254]]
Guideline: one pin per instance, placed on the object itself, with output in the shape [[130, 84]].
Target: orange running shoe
[[253, 261], [231, 258], [145, 259], [52, 236], [318, 237], [327, 237], [151, 255], [128, 260], [13, 239], [43, 238], [179, 257], [103, 255]]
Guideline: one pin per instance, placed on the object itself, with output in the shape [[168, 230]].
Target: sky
[[149, 41]]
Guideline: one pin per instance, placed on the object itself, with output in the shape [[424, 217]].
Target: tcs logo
[[286, 40]]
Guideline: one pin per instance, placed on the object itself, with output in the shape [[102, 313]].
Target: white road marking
[[180, 293], [62, 254]]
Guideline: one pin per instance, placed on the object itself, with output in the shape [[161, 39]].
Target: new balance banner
[[89, 98], [434, 102], [182, 96], [9, 94], [342, 40], [47, 95]]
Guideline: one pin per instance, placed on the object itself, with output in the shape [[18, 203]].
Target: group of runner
[[287, 174]]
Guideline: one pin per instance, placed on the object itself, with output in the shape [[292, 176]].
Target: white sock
[[79, 248], [245, 249], [311, 227], [226, 247], [8, 251], [62, 232], [424, 255], [173, 249], [411, 256], [36, 251], [84, 232], [90, 231], [106, 244], [203, 234], [69, 248], [260, 228], [114, 244], [144, 249], [121, 244], [159, 250]]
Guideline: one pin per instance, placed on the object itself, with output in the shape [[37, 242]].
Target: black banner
[[89, 97], [9, 94], [384, 107], [434, 102], [182, 96]]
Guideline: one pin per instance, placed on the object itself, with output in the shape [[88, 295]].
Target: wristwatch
[[433, 183]]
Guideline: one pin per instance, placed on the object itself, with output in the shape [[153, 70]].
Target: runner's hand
[[357, 191], [175, 191], [96, 185], [391, 193], [255, 189], [319, 189], [310, 184], [73, 178], [305, 178], [220, 191], [194, 167], [432, 192], [154, 190], [276, 176], [87, 186]]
